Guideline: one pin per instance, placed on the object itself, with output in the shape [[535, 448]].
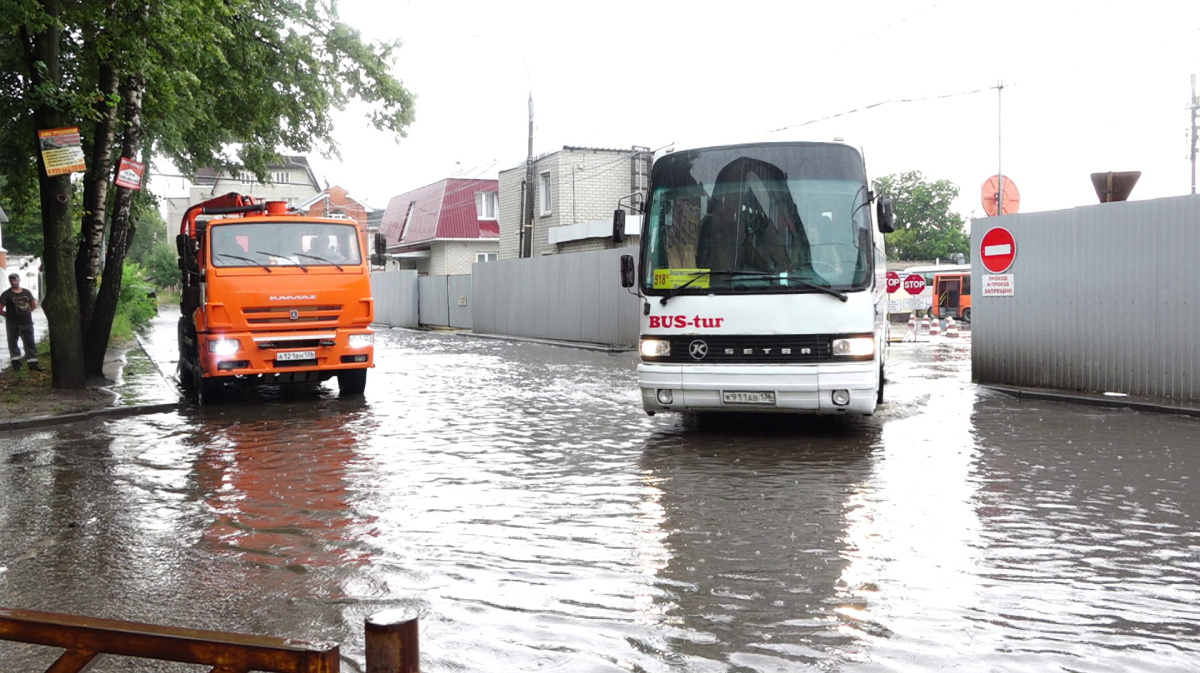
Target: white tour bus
[[763, 280]]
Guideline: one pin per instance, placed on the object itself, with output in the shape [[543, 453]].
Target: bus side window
[[966, 285]]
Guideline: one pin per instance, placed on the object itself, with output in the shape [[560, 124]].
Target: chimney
[[1115, 186]]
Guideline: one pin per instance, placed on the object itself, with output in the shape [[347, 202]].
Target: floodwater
[[516, 498]]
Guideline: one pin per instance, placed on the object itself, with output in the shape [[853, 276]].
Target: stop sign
[[997, 250], [914, 283], [893, 281]]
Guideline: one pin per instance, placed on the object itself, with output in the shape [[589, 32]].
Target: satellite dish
[[991, 192]]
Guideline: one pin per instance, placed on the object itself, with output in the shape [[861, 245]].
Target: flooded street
[[516, 497]]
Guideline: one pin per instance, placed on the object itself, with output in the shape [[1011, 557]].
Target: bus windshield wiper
[[725, 272], [820, 288], [282, 256], [244, 259], [321, 259]]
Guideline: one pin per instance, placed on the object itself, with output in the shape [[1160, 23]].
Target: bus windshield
[[778, 217]]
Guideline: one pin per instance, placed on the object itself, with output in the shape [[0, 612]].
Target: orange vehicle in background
[[952, 295], [272, 296]]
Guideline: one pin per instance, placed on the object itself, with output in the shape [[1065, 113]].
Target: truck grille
[[266, 315]]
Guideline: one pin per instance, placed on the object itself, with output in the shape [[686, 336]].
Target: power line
[[882, 103]]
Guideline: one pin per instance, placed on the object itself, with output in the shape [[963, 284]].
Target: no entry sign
[[997, 250], [893, 281], [914, 283]]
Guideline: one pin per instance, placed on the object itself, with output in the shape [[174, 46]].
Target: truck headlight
[[655, 348], [854, 346], [223, 346], [362, 340]]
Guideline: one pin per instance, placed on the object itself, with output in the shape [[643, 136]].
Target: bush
[[138, 303]]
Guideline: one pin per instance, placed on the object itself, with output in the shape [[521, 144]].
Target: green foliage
[[154, 250], [926, 229], [138, 304], [23, 231]]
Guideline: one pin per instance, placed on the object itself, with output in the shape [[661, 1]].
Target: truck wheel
[[879, 393], [208, 391], [352, 382]]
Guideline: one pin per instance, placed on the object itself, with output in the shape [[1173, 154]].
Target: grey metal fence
[[1101, 300], [445, 301], [395, 295]]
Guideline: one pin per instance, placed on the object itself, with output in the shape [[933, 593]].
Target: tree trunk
[[120, 234], [60, 304], [95, 197]]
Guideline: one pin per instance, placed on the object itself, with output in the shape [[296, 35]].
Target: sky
[[1087, 87]]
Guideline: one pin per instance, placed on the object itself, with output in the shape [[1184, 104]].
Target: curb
[[106, 412], [1111, 402]]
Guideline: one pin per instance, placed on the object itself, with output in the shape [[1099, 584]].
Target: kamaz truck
[[271, 296]]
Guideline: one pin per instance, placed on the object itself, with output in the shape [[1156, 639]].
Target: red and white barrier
[[951, 329], [935, 327]]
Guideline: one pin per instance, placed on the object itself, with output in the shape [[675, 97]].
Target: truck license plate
[[743, 397], [291, 356]]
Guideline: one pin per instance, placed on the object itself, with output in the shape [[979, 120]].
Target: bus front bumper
[[772, 389]]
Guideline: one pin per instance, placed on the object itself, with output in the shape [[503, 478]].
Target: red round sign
[[893, 281], [997, 250], [914, 283]]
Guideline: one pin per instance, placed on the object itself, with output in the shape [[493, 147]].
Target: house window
[[544, 196], [487, 203], [280, 177], [245, 177], [485, 257]]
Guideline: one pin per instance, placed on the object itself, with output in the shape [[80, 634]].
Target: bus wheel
[[352, 382], [966, 315], [879, 392]]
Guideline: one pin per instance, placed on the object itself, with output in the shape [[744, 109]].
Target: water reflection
[[755, 515], [1089, 558]]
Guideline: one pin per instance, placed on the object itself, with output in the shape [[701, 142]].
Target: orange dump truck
[[271, 296]]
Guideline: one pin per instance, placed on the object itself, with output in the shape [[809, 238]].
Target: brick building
[[336, 202], [575, 192]]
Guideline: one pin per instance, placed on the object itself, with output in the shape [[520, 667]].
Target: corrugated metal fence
[[395, 295], [572, 297], [1103, 300]]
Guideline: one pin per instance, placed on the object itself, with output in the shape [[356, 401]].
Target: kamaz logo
[[291, 297]]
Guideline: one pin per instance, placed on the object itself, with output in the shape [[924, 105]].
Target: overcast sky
[[1090, 86]]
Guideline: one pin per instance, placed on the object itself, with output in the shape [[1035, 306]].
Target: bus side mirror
[[380, 243], [628, 273], [884, 215], [618, 233]]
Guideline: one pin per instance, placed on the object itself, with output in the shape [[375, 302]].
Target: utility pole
[[1000, 147], [1195, 103], [527, 216]]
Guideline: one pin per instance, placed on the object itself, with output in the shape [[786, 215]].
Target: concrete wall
[[1103, 300]]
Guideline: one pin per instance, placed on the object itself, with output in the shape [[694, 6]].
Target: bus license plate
[[291, 356], [742, 397]]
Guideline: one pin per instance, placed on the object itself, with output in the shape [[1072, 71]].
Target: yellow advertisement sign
[[667, 279], [62, 151]]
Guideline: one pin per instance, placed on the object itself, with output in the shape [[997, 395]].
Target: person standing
[[16, 305]]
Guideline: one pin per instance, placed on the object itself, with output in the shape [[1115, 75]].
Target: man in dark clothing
[[16, 305]]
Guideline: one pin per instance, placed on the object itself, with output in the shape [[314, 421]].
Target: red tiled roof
[[444, 209]]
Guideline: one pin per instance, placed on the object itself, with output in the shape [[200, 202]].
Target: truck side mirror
[[186, 248], [628, 272], [380, 243], [618, 233], [883, 213], [378, 260]]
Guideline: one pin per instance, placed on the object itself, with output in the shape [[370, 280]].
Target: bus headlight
[[361, 340], [223, 346], [655, 348], [854, 346]]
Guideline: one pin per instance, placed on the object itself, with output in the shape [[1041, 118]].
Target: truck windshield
[[779, 217], [305, 244]]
